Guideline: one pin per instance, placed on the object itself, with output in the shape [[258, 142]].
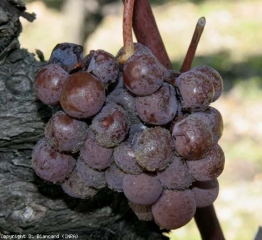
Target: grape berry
[[132, 128]]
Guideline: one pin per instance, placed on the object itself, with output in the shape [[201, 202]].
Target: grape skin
[[49, 164], [49, 82], [176, 175], [143, 74], [143, 212], [124, 157], [174, 209], [75, 187], [104, 66], [91, 177], [65, 133], [144, 188], [94, 155], [111, 125], [209, 167], [205, 193], [196, 90], [154, 148], [215, 78], [114, 178], [82, 95], [192, 138], [158, 108]]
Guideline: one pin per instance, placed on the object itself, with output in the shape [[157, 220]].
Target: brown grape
[[209, 167], [65, 133], [49, 82], [154, 148], [205, 193], [144, 188], [176, 175], [49, 164], [82, 95], [174, 209]]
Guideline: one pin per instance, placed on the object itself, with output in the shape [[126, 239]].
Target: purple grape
[[114, 178], [82, 95], [66, 55], [176, 175], [104, 66], [154, 148], [143, 74], [213, 118], [94, 155], [215, 78], [138, 47], [110, 125], [174, 209], [192, 138], [144, 188], [158, 108], [143, 212], [49, 164], [205, 193], [75, 187], [49, 82], [124, 158], [123, 98], [91, 177], [209, 167], [65, 133], [196, 90]]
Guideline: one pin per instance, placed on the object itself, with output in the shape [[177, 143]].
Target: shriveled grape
[[144, 188], [65, 133], [82, 95], [49, 164], [174, 209]]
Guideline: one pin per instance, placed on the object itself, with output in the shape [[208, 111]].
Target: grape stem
[[193, 45], [148, 34], [127, 31]]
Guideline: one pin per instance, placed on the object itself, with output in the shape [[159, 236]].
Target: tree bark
[[28, 204]]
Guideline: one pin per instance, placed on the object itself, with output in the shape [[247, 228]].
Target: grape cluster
[[126, 127]]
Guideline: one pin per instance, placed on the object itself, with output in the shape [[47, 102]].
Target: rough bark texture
[[28, 204]]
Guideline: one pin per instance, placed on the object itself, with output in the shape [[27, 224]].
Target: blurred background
[[231, 43]]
